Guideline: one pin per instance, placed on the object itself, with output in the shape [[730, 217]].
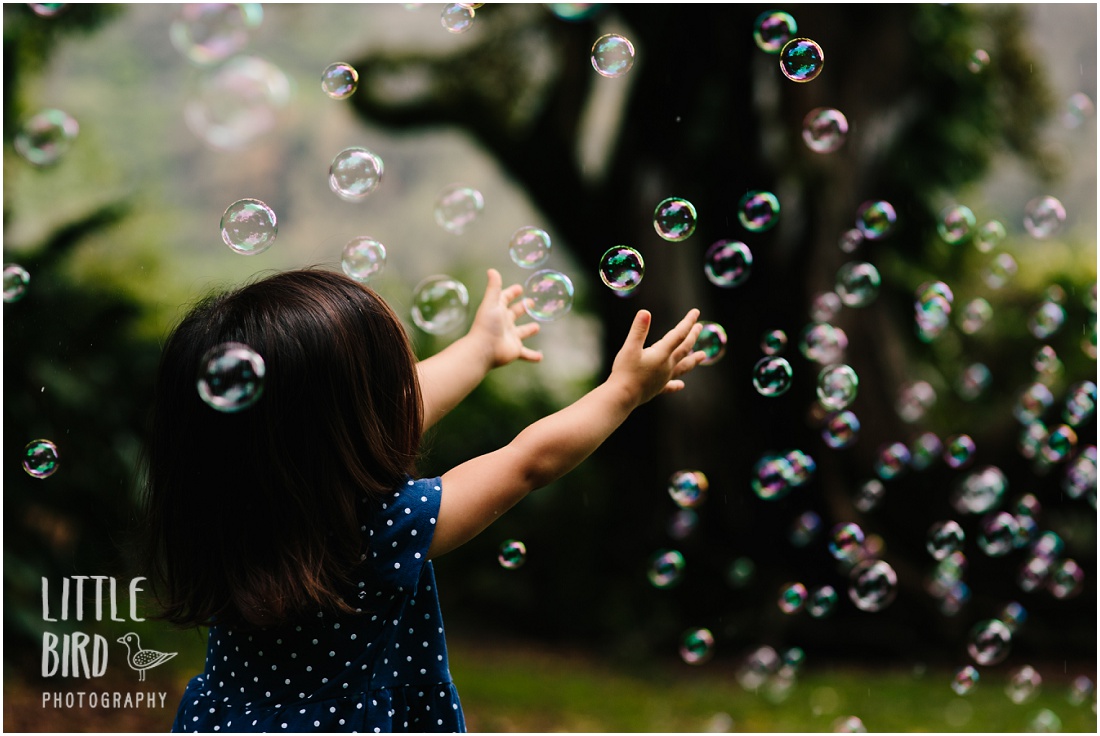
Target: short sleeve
[[399, 529]]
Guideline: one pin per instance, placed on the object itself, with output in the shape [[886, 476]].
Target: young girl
[[295, 528]]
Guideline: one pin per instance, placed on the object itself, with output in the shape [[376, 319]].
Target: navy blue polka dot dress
[[384, 670]]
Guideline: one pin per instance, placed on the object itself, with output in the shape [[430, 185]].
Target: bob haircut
[[250, 517]]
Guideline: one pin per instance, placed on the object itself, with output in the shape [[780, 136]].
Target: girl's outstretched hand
[[495, 327], [647, 372]]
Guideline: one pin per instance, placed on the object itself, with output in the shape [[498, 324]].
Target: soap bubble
[[773, 342], [973, 381], [823, 343], [363, 258], [688, 488], [355, 173], [824, 129], [248, 227], [612, 55], [666, 568], [512, 554], [47, 10], [979, 60], [1078, 109], [1013, 615], [549, 295], [925, 450], [956, 224], [622, 268], [1081, 474], [999, 271], [696, 646], [683, 523], [237, 102], [1046, 319], [821, 601], [958, 451], [841, 430], [457, 206], [1023, 684], [40, 458], [944, 537], [1045, 721], [804, 528], [989, 236], [740, 572], [1066, 579], [792, 597], [339, 80], [16, 280], [1059, 443], [1080, 403], [46, 137], [758, 211], [712, 341], [965, 679], [772, 30], [674, 219], [440, 304], [846, 541], [932, 309], [727, 263], [874, 585], [837, 386], [801, 60], [876, 219], [869, 495], [892, 460], [772, 376], [1080, 690], [914, 400], [1032, 402], [849, 724], [457, 18], [825, 306], [975, 315], [857, 283], [529, 247], [207, 33], [772, 477], [1044, 217], [997, 536], [1046, 362], [231, 377]]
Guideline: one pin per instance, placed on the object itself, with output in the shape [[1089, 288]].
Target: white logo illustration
[[142, 659]]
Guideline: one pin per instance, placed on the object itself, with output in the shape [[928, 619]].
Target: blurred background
[[800, 574]]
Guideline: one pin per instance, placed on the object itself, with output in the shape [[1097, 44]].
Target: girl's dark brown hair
[[250, 517]]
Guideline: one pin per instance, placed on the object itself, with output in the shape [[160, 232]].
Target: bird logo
[[142, 659]]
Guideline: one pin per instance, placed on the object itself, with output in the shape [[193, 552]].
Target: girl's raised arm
[[480, 490]]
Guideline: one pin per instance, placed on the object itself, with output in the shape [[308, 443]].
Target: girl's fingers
[[509, 295], [680, 332], [526, 330]]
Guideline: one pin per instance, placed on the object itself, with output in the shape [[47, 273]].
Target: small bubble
[[975, 315], [837, 386], [1023, 684], [1046, 319], [956, 224], [40, 458], [792, 597], [1079, 108], [339, 80], [823, 343], [841, 430], [248, 227], [958, 451], [674, 219], [727, 263], [47, 10], [857, 283], [16, 280], [850, 240], [740, 572], [849, 724], [772, 376], [876, 219], [355, 173], [965, 679], [440, 304], [944, 537], [457, 206], [612, 55], [989, 642], [696, 646], [869, 495], [207, 33], [773, 342], [999, 271], [824, 129], [979, 60], [772, 30], [914, 400], [873, 585], [512, 554], [805, 528], [801, 60], [231, 377], [622, 268], [666, 568], [457, 18], [1044, 721], [926, 449], [363, 258], [712, 341], [892, 460], [46, 137], [529, 247], [825, 306], [688, 488], [989, 236], [549, 295], [758, 211], [846, 541], [1044, 217], [821, 601]]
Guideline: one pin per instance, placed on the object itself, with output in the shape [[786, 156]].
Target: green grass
[[528, 690]]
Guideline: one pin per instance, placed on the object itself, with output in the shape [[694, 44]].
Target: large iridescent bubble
[[727, 263], [549, 295], [612, 55], [712, 340], [857, 283], [696, 646], [666, 568], [231, 377], [249, 227], [237, 102], [40, 458], [208, 33], [956, 224], [841, 429], [989, 642], [801, 60], [772, 375], [872, 585], [758, 211], [46, 137], [944, 537], [824, 129], [363, 258], [1044, 217], [457, 17], [529, 247], [457, 206], [876, 219], [355, 173], [512, 554], [622, 268], [772, 30], [674, 219], [823, 343], [688, 488], [440, 304], [16, 280], [837, 386], [339, 80]]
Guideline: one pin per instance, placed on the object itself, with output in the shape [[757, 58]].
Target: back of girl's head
[[251, 514]]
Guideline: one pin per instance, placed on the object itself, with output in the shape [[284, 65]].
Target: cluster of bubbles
[[440, 304], [776, 474], [612, 55], [249, 227], [231, 377], [512, 554]]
